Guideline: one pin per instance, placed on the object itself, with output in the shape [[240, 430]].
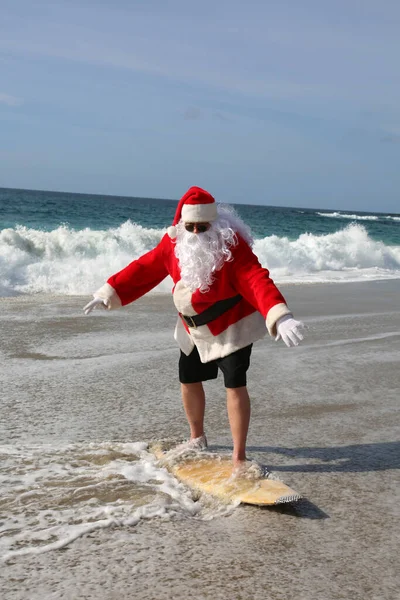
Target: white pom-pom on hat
[[172, 232]]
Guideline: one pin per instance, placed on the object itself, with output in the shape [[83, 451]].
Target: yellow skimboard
[[212, 474]]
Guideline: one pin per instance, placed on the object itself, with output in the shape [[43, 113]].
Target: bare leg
[[194, 403], [238, 403]]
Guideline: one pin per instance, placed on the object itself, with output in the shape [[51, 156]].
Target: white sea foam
[[339, 215], [346, 255], [65, 261], [54, 494]]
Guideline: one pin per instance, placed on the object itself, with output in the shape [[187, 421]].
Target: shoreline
[[393, 284]]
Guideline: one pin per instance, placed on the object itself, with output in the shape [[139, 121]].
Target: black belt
[[211, 313]]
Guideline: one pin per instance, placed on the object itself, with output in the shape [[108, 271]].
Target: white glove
[[289, 330], [96, 303]]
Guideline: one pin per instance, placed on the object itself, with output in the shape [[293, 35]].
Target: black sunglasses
[[200, 227]]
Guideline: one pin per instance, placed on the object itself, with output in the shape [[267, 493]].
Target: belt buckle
[[193, 324]]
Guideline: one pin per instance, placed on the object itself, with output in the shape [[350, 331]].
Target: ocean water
[[61, 243]]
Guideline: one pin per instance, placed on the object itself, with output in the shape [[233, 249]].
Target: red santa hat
[[196, 206]]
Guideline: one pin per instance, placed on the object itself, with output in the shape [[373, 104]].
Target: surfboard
[[211, 473]]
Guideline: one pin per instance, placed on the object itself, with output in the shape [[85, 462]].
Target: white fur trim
[[236, 336], [275, 313], [183, 300], [109, 295], [172, 232], [199, 213], [182, 337]]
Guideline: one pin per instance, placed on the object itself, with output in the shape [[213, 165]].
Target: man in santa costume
[[225, 302]]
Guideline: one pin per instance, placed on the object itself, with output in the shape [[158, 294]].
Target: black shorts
[[234, 367]]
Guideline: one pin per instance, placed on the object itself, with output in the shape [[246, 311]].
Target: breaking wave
[[66, 261], [339, 215], [354, 217]]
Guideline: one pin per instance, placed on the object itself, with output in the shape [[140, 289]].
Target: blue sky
[[290, 102]]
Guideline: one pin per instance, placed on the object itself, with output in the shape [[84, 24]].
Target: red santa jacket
[[259, 309]]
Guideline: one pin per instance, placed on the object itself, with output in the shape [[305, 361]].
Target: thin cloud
[[192, 113], [221, 117], [126, 44], [10, 100]]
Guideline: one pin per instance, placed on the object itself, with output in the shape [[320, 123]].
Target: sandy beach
[[325, 419]]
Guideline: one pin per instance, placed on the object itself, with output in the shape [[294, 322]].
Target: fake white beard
[[201, 255]]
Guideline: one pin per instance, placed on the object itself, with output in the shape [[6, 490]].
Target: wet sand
[[325, 419]]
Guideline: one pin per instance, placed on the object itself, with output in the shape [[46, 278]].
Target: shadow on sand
[[357, 458], [303, 509]]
